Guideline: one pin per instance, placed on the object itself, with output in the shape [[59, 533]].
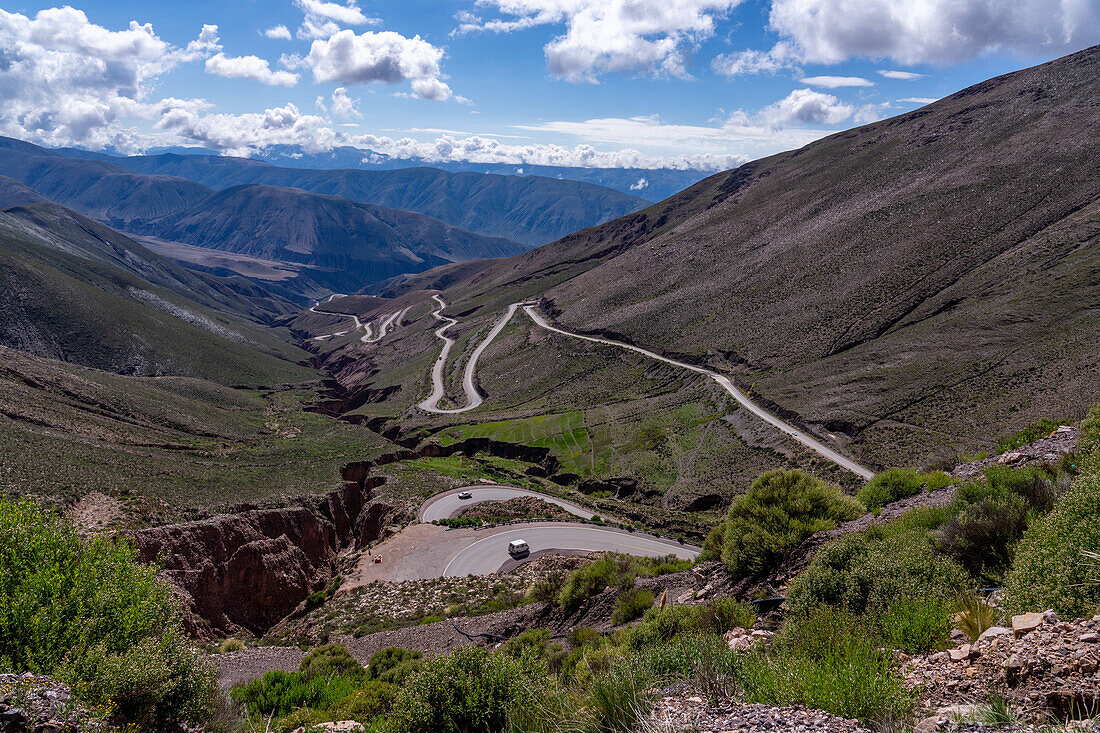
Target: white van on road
[[518, 547]]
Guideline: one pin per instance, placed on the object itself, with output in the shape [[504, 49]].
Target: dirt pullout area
[[520, 507]]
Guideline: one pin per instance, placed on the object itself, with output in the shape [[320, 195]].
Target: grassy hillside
[[76, 291], [163, 448], [906, 288]]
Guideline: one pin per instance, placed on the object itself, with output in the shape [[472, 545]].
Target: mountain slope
[[348, 243], [528, 209], [74, 290], [14, 193], [911, 283], [100, 190]]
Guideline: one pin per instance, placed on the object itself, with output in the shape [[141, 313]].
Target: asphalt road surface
[[487, 553], [447, 505], [798, 435], [473, 397]]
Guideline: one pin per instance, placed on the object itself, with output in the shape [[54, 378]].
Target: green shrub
[[982, 536], [1034, 431], [88, 613], [593, 578], [468, 691], [329, 660], [868, 572], [1089, 441], [278, 693], [230, 645], [917, 625], [619, 699], [827, 661], [661, 625], [371, 700], [781, 509], [899, 483], [1049, 570], [389, 658], [630, 605], [547, 588]]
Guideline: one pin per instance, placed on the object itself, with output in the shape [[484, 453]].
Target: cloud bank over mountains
[[69, 81]]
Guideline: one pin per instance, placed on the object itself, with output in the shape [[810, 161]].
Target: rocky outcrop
[[1045, 668], [1048, 450], [251, 568]]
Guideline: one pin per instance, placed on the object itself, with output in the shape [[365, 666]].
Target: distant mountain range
[[903, 286], [527, 209], [646, 183], [316, 218]]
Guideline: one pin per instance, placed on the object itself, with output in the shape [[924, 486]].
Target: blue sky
[[603, 83]]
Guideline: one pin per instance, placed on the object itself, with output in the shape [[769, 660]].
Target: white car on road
[[518, 547]]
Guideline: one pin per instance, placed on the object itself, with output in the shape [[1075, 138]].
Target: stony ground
[[1043, 667], [34, 703], [688, 711]]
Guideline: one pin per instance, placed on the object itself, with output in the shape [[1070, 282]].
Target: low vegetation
[[899, 483], [87, 613], [779, 510]]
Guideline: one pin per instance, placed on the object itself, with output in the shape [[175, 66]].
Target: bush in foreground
[[869, 572], [1049, 570], [780, 509], [469, 691], [899, 483], [89, 614]]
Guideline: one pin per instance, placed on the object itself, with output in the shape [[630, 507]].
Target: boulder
[[1025, 623], [993, 632]]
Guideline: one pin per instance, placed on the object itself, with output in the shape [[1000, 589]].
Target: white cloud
[[608, 35], [901, 75], [640, 185], [343, 105], [65, 80], [478, 149], [280, 32], [383, 56], [249, 67], [835, 82], [920, 100], [934, 31], [243, 134], [782, 56], [806, 107], [323, 19]]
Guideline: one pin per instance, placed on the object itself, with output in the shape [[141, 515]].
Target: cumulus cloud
[[65, 80], [341, 105], [384, 56], [280, 32], [323, 19], [603, 36], [836, 82], [782, 56], [480, 149], [933, 31], [249, 67], [900, 75], [640, 185], [806, 107], [244, 134]]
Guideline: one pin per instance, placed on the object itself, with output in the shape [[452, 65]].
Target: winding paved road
[[810, 442], [390, 321], [427, 550], [447, 504], [489, 554], [473, 397]]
